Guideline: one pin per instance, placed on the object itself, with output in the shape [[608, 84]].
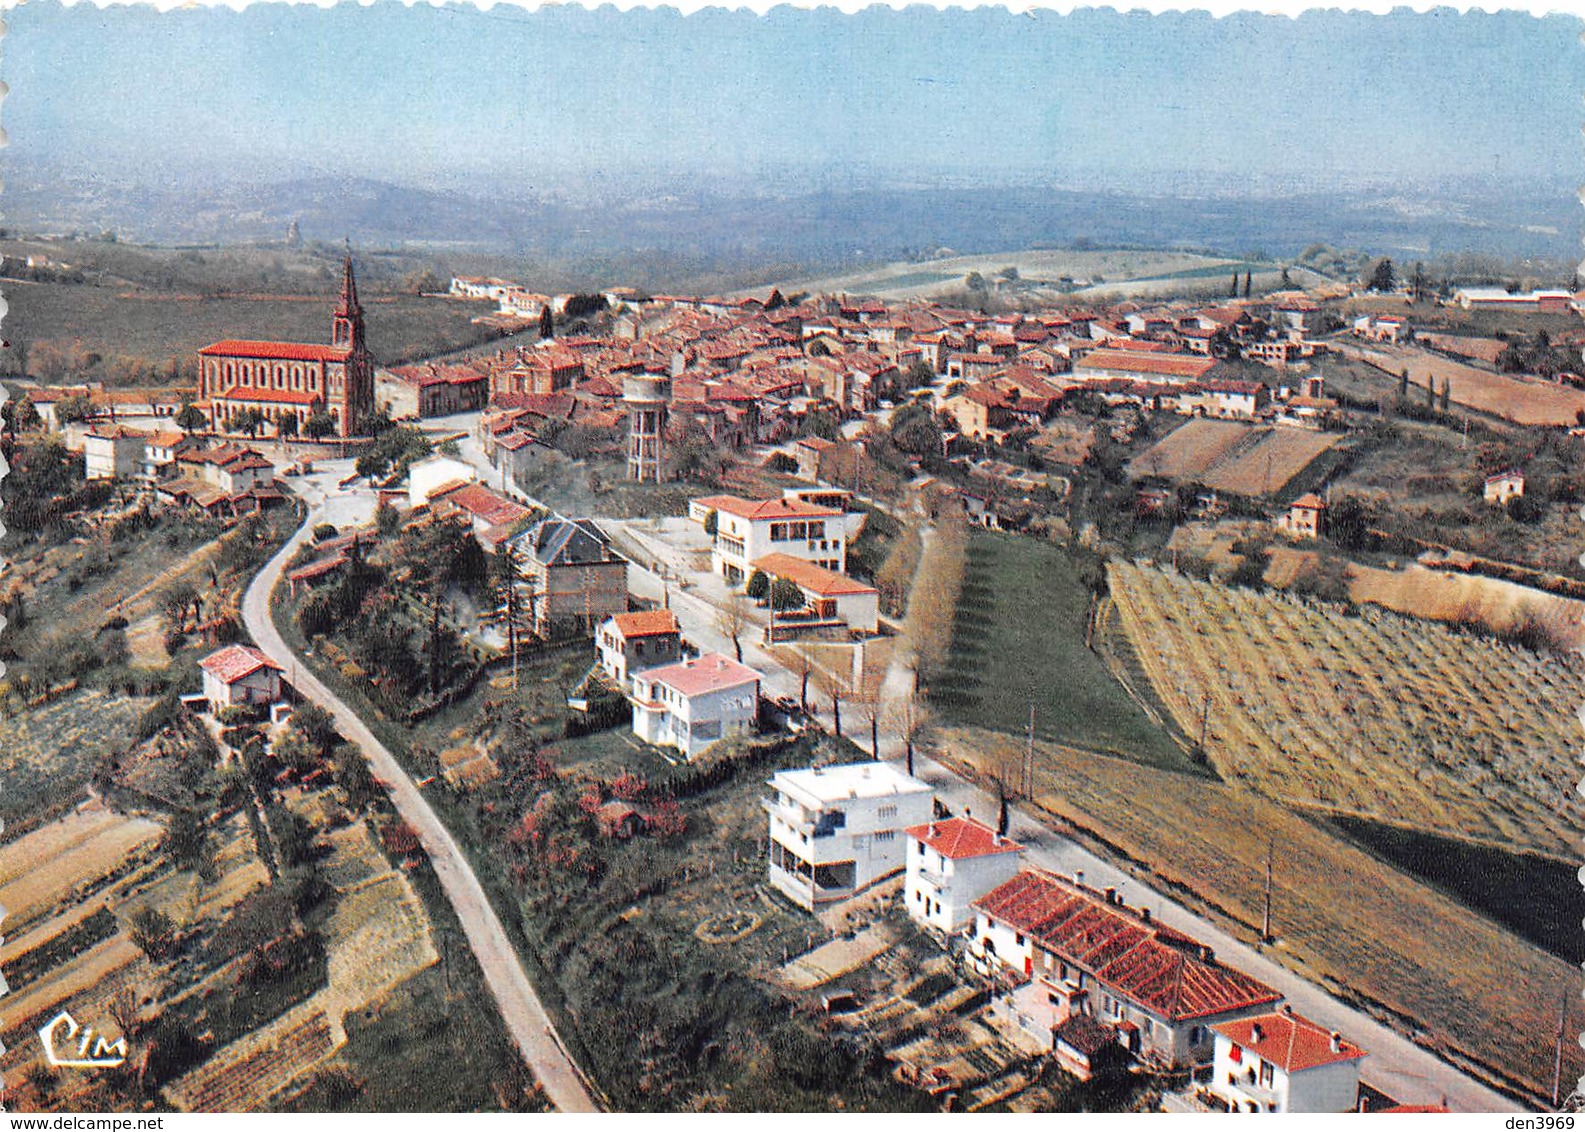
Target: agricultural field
[[48, 752], [1116, 272], [1365, 714], [1002, 658], [1345, 919], [1233, 458], [1525, 401]]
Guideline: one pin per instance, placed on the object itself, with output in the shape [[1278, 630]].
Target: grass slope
[[1019, 637]]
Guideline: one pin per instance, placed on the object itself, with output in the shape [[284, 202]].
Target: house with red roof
[[1141, 365], [747, 530], [831, 600], [238, 675], [113, 452], [631, 642], [693, 703], [1075, 949], [1283, 1062], [952, 863]]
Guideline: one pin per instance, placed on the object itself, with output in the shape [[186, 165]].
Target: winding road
[[531, 1028]]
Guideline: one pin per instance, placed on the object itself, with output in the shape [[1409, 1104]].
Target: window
[[885, 835], [1018, 938], [1268, 1074], [886, 813]]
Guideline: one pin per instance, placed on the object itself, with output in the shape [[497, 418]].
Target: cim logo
[[91, 1052]]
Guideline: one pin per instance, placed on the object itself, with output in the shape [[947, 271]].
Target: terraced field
[[1227, 456], [1368, 714], [1343, 918]]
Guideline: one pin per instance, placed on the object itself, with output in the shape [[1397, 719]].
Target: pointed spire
[[349, 288]]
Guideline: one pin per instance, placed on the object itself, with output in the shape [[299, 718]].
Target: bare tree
[[837, 689], [867, 694], [909, 715], [801, 665], [732, 619]]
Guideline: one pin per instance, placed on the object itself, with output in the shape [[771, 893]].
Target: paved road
[[1396, 1065], [520, 1007]]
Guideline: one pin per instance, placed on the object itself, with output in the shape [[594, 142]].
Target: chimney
[[932, 829], [1111, 894], [1337, 1042], [1078, 877], [1287, 1008], [1144, 914]]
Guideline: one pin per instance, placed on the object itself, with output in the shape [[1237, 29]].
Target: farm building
[[238, 675], [693, 703], [837, 830], [631, 642], [1503, 486], [952, 863], [1305, 517], [1077, 950], [1283, 1062], [113, 452]]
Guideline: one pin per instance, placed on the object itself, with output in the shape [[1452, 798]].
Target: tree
[[1419, 282], [387, 519], [1232, 288], [250, 420], [287, 426], [190, 418], [1447, 393], [775, 302], [152, 931], [319, 425], [909, 715], [1403, 384], [1287, 280], [1249, 280], [712, 522], [836, 688], [758, 586], [801, 665], [920, 375], [22, 415], [975, 282], [732, 619], [513, 613], [785, 595], [1008, 274], [73, 409], [1381, 278], [547, 323]]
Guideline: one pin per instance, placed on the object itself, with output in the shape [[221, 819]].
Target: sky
[[540, 100]]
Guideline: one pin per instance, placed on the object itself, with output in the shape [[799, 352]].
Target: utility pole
[[1265, 920], [1029, 756], [1557, 1063]]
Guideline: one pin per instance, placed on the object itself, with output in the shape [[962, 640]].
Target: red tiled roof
[[234, 662], [815, 579], [959, 838], [270, 396], [1174, 365], [275, 351], [482, 503], [1309, 501], [709, 673], [1161, 969], [647, 623], [770, 508], [1289, 1040]]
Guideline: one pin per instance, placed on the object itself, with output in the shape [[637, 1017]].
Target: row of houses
[[1092, 978]]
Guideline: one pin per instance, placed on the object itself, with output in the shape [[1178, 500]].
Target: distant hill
[[660, 240]]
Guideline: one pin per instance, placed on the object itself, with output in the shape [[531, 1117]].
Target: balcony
[[794, 816]]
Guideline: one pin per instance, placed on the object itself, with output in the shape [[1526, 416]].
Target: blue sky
[[562, 95]]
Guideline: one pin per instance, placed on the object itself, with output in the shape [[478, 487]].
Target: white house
[[240, 674], [631, 642], [749, 529], [950, 865], [837, 830], [692, 703], [1503, 486], [1283, 1062], [162, 449], [829, 598], [113, 452], [439, 470]]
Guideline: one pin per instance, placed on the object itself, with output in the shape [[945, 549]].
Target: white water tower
[[646, 396]]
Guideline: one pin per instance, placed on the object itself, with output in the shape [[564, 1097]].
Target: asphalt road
[[525, 1016], [1396, 1065]]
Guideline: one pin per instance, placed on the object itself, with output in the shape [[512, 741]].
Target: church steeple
[[347, 325]]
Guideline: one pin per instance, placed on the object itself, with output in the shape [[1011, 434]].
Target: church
[[290, 382]]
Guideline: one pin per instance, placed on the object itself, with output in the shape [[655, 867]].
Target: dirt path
[[520, 1007]]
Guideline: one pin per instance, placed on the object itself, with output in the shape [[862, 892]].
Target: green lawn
[[1018, 639]]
